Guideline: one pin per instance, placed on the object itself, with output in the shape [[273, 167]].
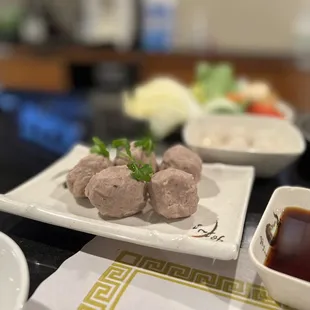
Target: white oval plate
[[14, 275], [215, 230]]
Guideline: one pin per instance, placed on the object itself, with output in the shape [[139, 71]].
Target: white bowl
[[14, 275], [287, 110], [285, 289], [266, 163]]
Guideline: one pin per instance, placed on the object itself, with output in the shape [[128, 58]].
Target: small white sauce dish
[[284, 289], [266, 143], [14, 275]]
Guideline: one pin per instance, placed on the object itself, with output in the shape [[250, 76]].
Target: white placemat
[[109, 274]]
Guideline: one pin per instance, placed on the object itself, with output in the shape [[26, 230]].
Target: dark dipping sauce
[[290, 253]]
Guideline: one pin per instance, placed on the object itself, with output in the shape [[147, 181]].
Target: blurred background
[[65, 65]]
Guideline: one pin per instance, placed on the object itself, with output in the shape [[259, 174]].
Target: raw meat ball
[[182, 158], [115, 193], [173, 193], [139, 155], [79, 176]]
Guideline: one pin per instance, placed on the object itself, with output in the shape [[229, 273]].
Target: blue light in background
[[9, 102], [54, 122]]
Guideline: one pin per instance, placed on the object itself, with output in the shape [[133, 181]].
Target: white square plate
[[215, 230]]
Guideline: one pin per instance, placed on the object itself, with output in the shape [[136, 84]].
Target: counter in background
[[48, 68]]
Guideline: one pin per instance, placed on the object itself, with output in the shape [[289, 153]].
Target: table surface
[[46, 247]]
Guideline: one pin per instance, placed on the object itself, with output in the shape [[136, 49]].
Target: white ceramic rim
[[293, 127], [256, 235], [288, 111], [23, 266]]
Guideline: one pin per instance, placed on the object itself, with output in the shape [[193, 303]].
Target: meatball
[[182, 158], [79, 176], [139, 155], [173, 193], [115, 193]]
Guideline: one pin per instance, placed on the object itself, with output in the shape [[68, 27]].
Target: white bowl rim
[[293, 127], [24, 291], [288, 110], [259, 229]]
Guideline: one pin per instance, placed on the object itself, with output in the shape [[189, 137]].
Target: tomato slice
[[263, 108]]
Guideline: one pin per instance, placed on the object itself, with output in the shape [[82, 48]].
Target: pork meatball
[[79, 176], [173, 193], [182, 158], [139, 155], [115, 193]]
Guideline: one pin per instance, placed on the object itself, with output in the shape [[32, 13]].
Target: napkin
[[109, 274]]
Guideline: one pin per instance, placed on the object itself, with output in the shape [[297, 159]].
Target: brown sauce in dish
[[290, 253]]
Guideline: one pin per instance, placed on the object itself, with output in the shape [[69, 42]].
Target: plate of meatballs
[[123, 191]]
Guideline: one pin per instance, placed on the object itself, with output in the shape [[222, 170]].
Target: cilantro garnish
[[99, 147], [139, 171], [146, 144]]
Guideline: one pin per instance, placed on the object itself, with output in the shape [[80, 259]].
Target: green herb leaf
[[143, 173], [97, 141], [139, 171], [146, 144], [122, 143], [147, 172], [99, 147], [135, 171], [95, 149], [133, 167]]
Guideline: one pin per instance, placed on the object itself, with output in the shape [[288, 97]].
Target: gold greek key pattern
[[129, 258], [231, 287], [85, 307], [109, 288], [204, 278], [177, 271], [152, 264], [260, 294]]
